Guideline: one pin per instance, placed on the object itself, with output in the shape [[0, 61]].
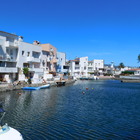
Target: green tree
[[121, 65], [138, 58], [26, 71]]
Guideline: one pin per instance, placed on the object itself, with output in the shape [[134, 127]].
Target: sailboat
[[7, 132]]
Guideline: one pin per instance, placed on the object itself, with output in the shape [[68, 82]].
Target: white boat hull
[[9, 133]]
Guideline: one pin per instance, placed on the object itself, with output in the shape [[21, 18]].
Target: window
[[22, 53], [43, 63], [11, 52], [76, 63], [65, 67], [36, 54], [77, 68], [28, 53]]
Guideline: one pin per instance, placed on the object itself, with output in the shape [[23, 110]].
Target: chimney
[[36, 42]]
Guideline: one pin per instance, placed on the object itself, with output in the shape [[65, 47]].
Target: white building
[[8, 56], [61, 63], [95, 66], [79, 67], [91, 68], [16, 55], [29, 55], [98, 64]]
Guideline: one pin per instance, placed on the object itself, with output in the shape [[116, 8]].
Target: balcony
[[8, 70], [54, 60], [77, 70], [32, 59], [90, 70], [48, 59], [7, 58], [77, 65], [65, 70], [11, 44], [36, 69]]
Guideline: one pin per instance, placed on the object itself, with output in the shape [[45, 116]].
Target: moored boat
[[7, 132], [84, 78], [36, 88]]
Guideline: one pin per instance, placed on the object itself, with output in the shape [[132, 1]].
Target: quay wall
[[10, 87], [130, 81]]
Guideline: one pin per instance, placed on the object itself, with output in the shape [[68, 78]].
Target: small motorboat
[[61, 83], [36, 88], [7, 132]]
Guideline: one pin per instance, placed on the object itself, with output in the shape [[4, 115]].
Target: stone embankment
[[130, 81], [105, 77], [127, 80], [10, 87]]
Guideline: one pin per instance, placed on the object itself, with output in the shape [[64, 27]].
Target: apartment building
[[8, 56], [96, 67], [62, 67], [16, 55], [30, 56], [79, 67], [49, 60]]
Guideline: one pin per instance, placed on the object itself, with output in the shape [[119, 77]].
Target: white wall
[[61, 61], [26, 47], [98, 64], [84, 66]]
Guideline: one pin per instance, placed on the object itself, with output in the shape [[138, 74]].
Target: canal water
[[84, 110]]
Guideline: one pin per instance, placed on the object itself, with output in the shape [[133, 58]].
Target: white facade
[[29, 55], [90, 66], [46, 61], [79, 67], [8, 56], [137, 72], [61, 63], [16, 55], [95, 66], [98, 64]]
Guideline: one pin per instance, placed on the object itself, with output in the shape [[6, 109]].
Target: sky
[[99, 29]]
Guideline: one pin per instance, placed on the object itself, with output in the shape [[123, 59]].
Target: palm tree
[[138, 58], [121, 65], [26, 71]]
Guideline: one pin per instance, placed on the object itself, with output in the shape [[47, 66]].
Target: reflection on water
[[83, 110]]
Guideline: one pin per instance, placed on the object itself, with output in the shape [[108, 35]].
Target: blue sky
[[99, 29]]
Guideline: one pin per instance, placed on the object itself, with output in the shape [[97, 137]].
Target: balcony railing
[[7, 58], [77, 65], [8, 70], [48, 59], [54, 60], [36, 69], [90, 70], [32, 59], [9, 43]]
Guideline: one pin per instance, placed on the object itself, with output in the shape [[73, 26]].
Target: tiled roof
[[133, 69]]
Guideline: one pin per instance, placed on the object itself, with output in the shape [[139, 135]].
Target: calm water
[[85, 110]]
